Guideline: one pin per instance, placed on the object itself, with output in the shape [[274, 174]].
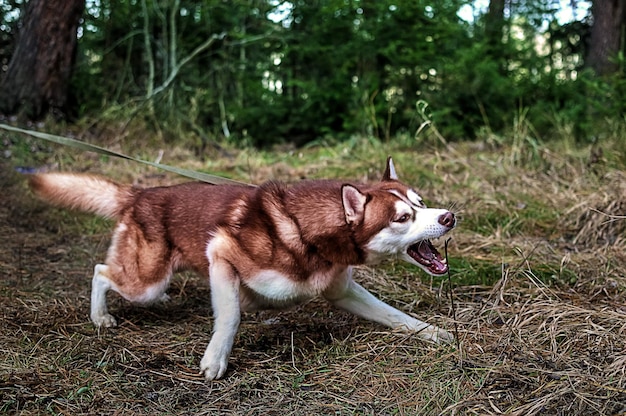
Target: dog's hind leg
[[100, 285], [349, 295], [224, 284]]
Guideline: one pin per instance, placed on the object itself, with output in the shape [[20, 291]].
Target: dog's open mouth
[[427, 255]]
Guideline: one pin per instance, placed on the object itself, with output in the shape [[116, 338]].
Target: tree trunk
[[494, 23], [606, 35], [36, 81], [494, 34]]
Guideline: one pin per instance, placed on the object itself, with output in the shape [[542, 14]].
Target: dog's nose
[[447, 219]]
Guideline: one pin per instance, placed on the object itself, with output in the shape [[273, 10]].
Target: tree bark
[[606, 35], [494, 23], [494, 33], [37, 78]]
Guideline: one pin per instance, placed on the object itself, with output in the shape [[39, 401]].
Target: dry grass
[[545, 337]]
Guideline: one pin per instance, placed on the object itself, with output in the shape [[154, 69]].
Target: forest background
[[262, 72], [510, 112]]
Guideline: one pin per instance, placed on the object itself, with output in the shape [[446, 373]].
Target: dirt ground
[[525, 348]]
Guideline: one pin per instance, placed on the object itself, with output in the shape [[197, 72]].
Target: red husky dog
[[260, 247]]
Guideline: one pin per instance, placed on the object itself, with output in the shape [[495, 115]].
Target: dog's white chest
[[272, 288], [274, 285]]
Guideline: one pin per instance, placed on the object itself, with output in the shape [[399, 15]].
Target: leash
[[77, 144], [450, 292]]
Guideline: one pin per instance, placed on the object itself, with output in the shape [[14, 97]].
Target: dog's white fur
[[271, 246]]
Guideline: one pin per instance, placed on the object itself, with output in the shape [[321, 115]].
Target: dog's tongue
[[427, 255]]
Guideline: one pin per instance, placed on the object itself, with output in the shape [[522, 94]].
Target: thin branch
[[251, 39], [184, 61], [611, 217], [146, 41], [173, 46]]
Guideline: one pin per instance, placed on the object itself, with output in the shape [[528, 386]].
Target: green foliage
[[299, 71], [9, 19]]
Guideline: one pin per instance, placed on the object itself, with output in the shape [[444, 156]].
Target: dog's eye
[[403, 218]]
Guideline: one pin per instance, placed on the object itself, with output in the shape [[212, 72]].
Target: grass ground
[[538, 296]]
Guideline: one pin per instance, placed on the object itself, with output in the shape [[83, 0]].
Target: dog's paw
[[443, 337], [213, 367], [106, 321], [164, 298], [437, 335]]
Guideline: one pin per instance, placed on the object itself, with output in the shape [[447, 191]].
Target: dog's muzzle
[[447, 220], [425, 253]]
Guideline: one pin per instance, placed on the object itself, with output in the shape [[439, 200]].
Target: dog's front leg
[[224, 284], [349, 295]]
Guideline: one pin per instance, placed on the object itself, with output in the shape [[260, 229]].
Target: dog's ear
[[353, 203], [390, 171]]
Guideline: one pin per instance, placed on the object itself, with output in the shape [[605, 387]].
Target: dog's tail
[[83, 192]]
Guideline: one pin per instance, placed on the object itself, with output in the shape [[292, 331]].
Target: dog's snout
[[447, 219]]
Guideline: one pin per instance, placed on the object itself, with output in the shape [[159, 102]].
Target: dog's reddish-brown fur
[[264, 246], [167, 228]]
